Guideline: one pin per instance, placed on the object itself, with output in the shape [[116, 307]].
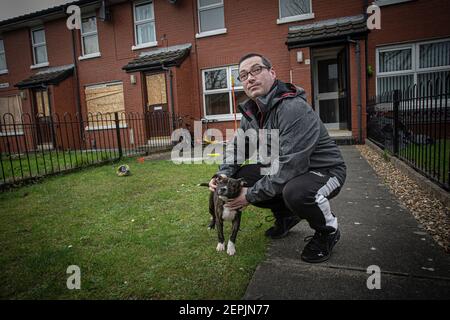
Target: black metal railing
[[414, 125], [35, 146]]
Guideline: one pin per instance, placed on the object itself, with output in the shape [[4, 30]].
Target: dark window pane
[[328, 110], [435, 54], [218, 103], [328, 75], [240, 97], [216, 79], [290, 8], [387, 84], [396, 60]]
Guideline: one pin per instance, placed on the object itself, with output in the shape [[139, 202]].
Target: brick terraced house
[[179, 56]]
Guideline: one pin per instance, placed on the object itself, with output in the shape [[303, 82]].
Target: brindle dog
[[227, 189]]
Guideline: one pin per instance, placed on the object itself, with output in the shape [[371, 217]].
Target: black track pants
[[306, 195]]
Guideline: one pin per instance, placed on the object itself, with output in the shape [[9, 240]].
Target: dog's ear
[[243, 182], [219, 177]]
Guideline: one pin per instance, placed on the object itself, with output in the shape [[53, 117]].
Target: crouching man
[[310, 170]]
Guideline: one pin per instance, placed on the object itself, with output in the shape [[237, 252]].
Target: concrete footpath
[[375, 230]]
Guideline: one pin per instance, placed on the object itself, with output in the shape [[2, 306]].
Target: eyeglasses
[[255, 70]]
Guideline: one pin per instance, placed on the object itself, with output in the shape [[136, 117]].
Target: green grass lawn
[[138, 237], [40, 163], [430, 158]]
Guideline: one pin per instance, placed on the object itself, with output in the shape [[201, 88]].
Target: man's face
[[259, 84]]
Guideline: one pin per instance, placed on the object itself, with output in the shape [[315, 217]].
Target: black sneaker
[[282, 227], [320, 246]]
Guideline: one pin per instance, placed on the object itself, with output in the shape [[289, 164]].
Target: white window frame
[[3, 52], [415, 61], [85, 34], [227, 116], [35, 45], [202, 34], [382, 3], [299, 17], [137, 45]]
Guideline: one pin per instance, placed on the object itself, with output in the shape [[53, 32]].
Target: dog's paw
[[220, 247], [231, 249]]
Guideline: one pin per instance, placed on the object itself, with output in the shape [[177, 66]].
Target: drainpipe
[[359, 107], [358, 63], [77, 86]]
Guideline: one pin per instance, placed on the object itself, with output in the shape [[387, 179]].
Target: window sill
[[9, 134], [295, 18], [90, 56], [93, 128], [145, 45], [223, 118], [4, 71], [40, 65], [211, 33], [382, 3]]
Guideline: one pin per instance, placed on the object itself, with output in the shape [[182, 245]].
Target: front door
[[156, 107], [44, 124], [330, 87]]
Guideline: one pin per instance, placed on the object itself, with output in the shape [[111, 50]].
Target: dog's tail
[[203, 184]]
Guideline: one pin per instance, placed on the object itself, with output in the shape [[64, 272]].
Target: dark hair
[[264, 60]]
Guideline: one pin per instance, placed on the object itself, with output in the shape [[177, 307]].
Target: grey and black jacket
[[304, 141]]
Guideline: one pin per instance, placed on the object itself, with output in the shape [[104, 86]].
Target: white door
[[326, 90]]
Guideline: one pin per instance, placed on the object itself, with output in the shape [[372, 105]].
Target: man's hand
[[212, 185], [239, 202]]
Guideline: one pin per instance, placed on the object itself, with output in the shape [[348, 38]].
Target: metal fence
[[414, 125], [35, 146]]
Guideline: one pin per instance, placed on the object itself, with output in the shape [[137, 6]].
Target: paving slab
[[375, 230]]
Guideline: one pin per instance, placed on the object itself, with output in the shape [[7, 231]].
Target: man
[[310, 170]]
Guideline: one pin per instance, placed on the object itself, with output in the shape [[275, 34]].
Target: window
[[39, 46], [89, 36], [2, 58], [10, 115], [217, 89], [399, 67], [144, 23], [295, 10], [381, 3], [102, 100], [211, 17]]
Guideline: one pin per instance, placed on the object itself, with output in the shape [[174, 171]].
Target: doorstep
[[341, 137]]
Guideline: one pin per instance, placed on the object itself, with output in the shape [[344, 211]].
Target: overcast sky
[[14, 8]]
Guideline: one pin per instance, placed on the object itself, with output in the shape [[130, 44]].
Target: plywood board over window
[[102, 102], [11, 114], [42, 104], [156, 92]]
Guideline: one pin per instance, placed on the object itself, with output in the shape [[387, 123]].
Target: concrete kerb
[[421, 180]]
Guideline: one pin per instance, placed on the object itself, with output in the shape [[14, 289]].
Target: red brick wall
[[301, 72], [251, 27], [354, 68], [408, 22], [254, 28]]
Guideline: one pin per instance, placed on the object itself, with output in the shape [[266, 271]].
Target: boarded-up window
[[156, 89], [11, 114], [42, 104], [102, 102]]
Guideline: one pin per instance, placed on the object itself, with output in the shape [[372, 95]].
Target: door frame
[[39, 141], [157, 123], [320, 54]]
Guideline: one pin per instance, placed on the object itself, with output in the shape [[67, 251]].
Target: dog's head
[[228, 188]]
